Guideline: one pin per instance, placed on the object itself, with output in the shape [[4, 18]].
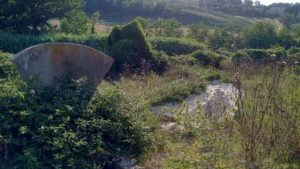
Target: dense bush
[[14, 43], [219, 39], [257, 54], [6, 69], [278, 52], [241, 57], [75, 22], [60, 127], [208, 58], [294, 54], [294, 50], [259, 35], [175, 46], [128, 45], [272, 54]]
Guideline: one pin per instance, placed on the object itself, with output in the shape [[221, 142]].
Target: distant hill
[[185, 11]]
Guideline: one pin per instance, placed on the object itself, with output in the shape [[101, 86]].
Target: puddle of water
[[219, 98]]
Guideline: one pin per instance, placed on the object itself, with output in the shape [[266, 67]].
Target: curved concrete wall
[[51, 61]]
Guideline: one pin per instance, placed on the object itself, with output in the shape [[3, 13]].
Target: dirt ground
[[100, 28]]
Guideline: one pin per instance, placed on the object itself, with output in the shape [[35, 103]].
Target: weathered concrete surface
[[52, 61]]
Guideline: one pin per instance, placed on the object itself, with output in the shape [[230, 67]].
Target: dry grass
[[99, 27]]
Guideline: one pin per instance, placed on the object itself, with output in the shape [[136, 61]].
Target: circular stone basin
[[50, 62]]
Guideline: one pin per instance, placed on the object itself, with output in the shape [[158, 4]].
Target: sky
[[268, 2]]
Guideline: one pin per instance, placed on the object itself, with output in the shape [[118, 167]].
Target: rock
[[52, 61], [218, 99]]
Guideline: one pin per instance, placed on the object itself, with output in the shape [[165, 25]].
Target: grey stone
[[52, 61]]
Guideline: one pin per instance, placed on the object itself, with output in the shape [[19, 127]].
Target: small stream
[[218, 98]]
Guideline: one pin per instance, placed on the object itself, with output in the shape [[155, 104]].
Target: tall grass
[[268, 116]]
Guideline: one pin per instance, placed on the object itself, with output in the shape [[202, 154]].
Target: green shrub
[[128, 45], [185, 60], [14, 43], [278, 52], [294, 50], [175, 46], [257, 54], [259, 35], [208, 58], [75, 22], [7, 71], [241, 56], [62, 127], [212, 77], [219, 39]]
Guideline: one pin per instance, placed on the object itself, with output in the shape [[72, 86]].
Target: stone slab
[[52, 61]]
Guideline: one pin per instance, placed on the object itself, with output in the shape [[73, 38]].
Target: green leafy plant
[[128, 45], [75, 22], [208, 58]]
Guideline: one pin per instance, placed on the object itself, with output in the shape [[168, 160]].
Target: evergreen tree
[[25, 16]]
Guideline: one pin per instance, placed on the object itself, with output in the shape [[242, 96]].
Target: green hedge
[[175, 46], [14, 43]]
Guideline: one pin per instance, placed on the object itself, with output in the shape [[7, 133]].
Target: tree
[[294, 9], [219, 38], [259, 35], [199, 31], [296, 32], [95, 18], [75, 22], [248, 2], [25, 16], [288, 19]]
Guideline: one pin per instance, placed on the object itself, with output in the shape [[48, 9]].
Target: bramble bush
[[66, 126]]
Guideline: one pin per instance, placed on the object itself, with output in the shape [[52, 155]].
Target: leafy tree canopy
[[259, 35], [31, 16], [75, 22]]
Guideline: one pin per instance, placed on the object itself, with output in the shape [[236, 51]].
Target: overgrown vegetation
[[158, 62], [66, 126], [128, 45]]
